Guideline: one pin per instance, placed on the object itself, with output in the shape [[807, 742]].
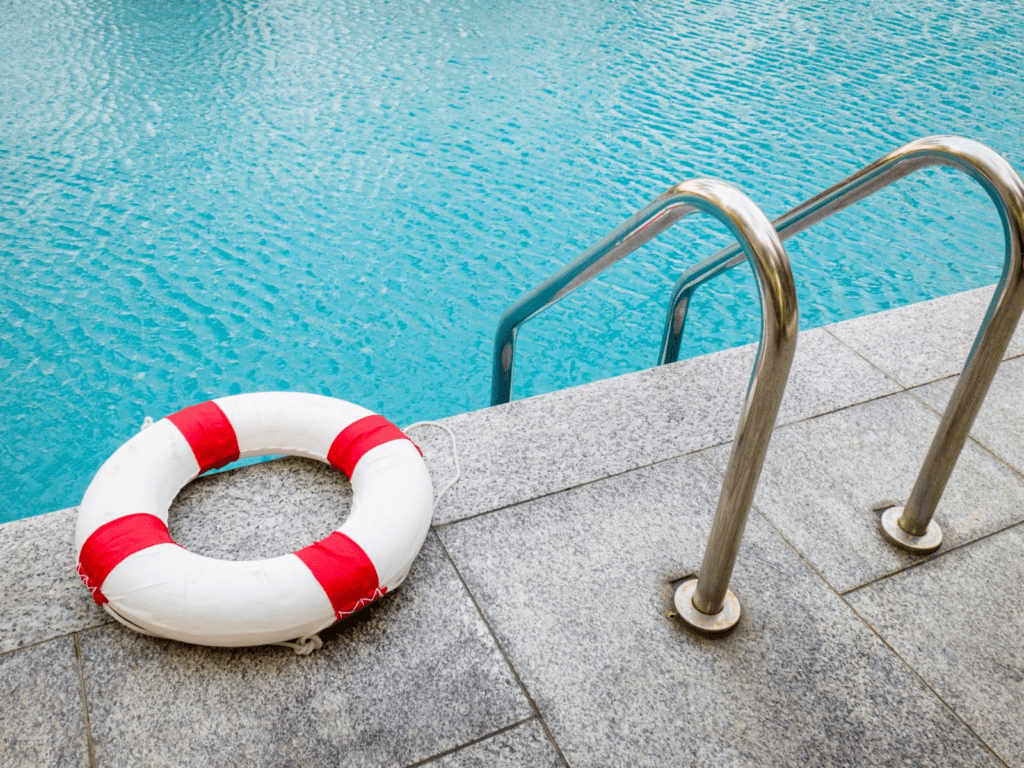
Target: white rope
[[146, 422], [304, 645], [455, 455]]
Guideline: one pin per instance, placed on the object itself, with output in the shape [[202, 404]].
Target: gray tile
[[957, 621], [41, 596], [922, 342], [525, 746], [539, 445], [411, 677], [1000, 423], [534, 446], [823, 477], [576, 586], [826, 376], [42, 723], [262, 510]]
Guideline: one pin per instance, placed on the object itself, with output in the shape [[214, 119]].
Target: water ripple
[[207, 198]]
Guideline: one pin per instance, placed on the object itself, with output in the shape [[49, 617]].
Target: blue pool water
[[204, 198]]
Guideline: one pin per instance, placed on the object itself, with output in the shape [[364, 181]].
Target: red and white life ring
[[130, 563]]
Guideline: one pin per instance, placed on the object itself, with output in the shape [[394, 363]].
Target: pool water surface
[[206, 198]]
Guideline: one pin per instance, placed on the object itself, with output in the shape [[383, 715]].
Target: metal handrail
[[705, 603], [911, 526]]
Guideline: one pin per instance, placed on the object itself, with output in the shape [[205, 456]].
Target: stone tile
[[41, 596], [413, 676], [542, 444], [531, 447], [827, 376], [1000, 423], [525, 746], [922, 342], [577, 586], [262, 510], [823, 477], [957, 621], [43, 723]]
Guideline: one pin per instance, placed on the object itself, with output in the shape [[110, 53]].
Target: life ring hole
[[261, 510]]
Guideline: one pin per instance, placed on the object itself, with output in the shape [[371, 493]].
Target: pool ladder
[[706, 603]]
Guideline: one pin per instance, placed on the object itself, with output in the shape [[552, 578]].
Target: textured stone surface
[[531, 447], [578, 590], [922, 342], [823, 477], [577, 585], [42, 722], [827, 376], [525, 746], [411, 677], [1000, 423], [41, 596], [509, 454], [958, 621], [259, 511]]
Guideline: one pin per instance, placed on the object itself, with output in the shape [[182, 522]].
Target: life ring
[[127, 558]]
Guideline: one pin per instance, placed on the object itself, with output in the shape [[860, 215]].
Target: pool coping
[[524, 458]]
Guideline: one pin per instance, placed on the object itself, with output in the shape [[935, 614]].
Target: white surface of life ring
[[128, 560]]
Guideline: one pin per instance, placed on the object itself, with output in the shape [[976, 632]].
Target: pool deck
[[536, 627]]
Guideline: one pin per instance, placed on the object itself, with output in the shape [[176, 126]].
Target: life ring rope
[[455, 457]]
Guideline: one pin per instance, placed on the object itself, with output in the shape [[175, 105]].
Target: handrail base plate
[[919, 545], [707, 624]]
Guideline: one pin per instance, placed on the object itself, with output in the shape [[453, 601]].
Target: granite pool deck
[[536, 627]]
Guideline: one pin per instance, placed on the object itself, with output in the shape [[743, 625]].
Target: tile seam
[[674, 457], [912, 391], [970, 436], [761, 515], [933, 558], [858, 353], [460, 747], [1007, 356], [925, 683], [995, 455], [80, 663], [504, 655], [837, 409], [581, 484], [70, 632]]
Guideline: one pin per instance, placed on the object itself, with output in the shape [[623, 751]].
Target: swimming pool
[[206, 198]]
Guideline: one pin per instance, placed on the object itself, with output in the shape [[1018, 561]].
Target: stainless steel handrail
[[705, 603], [911, 526]]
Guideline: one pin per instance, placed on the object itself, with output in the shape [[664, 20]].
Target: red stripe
[[344, 571], [114, 541], [358, 438], [209, 434]]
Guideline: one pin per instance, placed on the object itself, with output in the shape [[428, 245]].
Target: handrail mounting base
[[919, 545], [707, 624]]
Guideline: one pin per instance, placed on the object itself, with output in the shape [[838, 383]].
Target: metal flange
[[706, 623], [921, 545]]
